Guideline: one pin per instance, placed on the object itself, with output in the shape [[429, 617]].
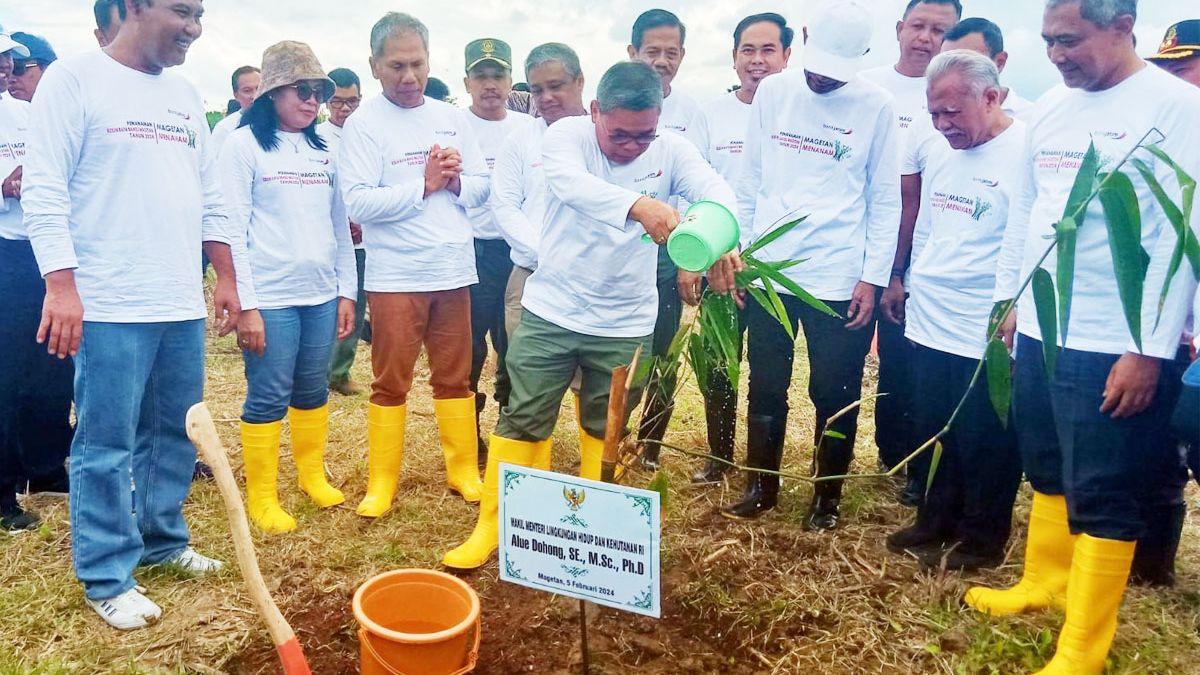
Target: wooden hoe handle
[[203, 433]]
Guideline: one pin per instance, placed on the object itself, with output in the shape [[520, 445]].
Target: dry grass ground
[[764, 597]]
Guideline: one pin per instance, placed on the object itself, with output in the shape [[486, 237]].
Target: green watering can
[[707, 232]]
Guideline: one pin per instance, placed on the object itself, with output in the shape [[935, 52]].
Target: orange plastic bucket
[[417, 622]]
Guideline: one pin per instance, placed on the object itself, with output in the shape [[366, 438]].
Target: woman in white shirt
[[296, 276]]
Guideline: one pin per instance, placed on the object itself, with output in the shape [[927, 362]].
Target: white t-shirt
[[291, 245], [911, 102], [918, 152], [966, 195], [225, 127], [491, 136], [415, 243], [332, 135], [14, 124], [832, 157], [121, 184], [1061, 126], [518, 199], [719, 131], [595, 275], [678, 111]]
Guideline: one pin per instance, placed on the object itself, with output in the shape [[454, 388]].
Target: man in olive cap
[[1179, 53], [489, 82]]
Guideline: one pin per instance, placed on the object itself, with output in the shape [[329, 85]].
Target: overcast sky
[[237, 31]]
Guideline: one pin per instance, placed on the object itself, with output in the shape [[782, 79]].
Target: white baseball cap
[[839, 36], [7, 43]]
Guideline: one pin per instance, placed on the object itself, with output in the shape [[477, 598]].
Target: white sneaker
[[128, 611], [191, 561]]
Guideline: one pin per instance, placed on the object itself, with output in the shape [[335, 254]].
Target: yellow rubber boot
[[1099, 575], [460, 444], [542, 454], [591, 453], [484, 539], [385, 452], [310, 433], [260, 453], [1048, 550]]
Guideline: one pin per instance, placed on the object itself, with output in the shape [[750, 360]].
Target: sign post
[[581, 538]]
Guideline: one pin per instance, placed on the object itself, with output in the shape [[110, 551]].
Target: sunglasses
[[339, 103], [306, 91], [19, 67]]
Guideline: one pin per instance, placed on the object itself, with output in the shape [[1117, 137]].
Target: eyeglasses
[[19, 67], [306, 91], [339, 103], [622, 138]]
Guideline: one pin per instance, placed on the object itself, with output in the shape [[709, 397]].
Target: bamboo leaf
[[1123, 218], [780, 310], [835, 434], [999, 378], [793, 288], [642, 374], [1186, 244], [761, 298], [701, 365], [677, 344], [998, 311], [1043, 300], [772, 235], [1068, 231], [934, 461], [1084, 186]]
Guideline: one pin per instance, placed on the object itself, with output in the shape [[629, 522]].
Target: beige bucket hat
[[289, 62]]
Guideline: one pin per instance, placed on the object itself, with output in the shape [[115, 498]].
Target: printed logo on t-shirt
[[12, 150], [973, 207], [323, 161], [301, 178], [732, 147], [445, 132], [650, 176], [417, 158], [1058, 160], [835, 149], [1110, 135], [678, 128], [491, 162], [905, 121], [152, 131], [177, 113], [987, 181], [840, 130]]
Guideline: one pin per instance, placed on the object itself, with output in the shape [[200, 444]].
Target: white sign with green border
[[580, 538]]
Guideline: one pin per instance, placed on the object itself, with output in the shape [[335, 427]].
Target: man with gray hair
[[592, 302], [518, 199], [410, 167], [1094, 435], [969, 184]]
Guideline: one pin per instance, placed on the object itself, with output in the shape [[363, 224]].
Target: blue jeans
[[131, 461], [294, 369], [1115, 473]]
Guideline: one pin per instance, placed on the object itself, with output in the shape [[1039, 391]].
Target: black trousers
[[835, 363], [1119, 475], [493, 266], [660, 391], [894, 431], [35, 388], [971, 498]]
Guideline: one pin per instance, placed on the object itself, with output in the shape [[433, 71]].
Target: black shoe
[[763, 451], [915, 540], [711, 473], [1154, 560], [16, 519], [649, 458], [201, 472], [56, 485], [365, 333], [824, 514], [913, 494], [482, 451], [959, 559], [721, 419]]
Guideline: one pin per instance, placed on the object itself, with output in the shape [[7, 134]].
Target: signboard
[[581, 538]]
